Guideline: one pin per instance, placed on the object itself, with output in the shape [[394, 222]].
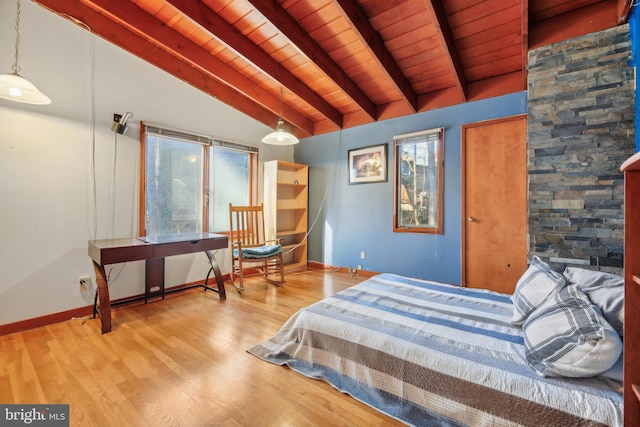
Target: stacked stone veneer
[[580, 130]]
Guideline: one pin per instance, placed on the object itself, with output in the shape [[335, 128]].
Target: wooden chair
[[251, 253]]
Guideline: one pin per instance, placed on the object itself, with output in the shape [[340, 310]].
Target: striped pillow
[[537, 284], [568, 336], [605, 290]]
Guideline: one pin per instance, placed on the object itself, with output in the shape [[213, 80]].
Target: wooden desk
[[152, 249]]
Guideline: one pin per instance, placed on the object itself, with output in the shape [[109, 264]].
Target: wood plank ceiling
[[341, 63]]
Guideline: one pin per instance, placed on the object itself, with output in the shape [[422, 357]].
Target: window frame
[[398, 142], [209, 144]]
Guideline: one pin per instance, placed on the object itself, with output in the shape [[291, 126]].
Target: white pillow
[[604, 290], [568, 336], [537, 284], [615, 372]]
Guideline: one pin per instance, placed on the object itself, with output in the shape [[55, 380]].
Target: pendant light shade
[[16, 88], [280, 136]]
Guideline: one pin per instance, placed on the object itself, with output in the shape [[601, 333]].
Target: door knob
[[471, 219]]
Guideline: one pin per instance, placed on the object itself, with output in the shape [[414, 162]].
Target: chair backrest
[[246, 225]]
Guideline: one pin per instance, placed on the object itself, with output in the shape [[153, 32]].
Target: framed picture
[[368, 164]]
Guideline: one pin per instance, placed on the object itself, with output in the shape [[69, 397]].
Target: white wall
[[46, 175]]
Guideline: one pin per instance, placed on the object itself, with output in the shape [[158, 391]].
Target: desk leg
[[154, 278], [103, 297], [216, 270]]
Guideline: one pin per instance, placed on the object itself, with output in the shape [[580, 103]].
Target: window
[[189, 181], [232, 172], [418, 182]]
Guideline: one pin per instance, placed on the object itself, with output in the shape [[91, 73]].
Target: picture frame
[[368, 164]]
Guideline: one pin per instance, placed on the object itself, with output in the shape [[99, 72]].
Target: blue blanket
[[430, 354]]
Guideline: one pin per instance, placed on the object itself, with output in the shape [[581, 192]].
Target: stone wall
[[580, 130]]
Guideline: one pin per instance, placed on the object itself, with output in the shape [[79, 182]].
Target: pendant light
[[280, 136], [16, 88]]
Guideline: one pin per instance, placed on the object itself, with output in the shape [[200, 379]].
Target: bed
[[431, 354]]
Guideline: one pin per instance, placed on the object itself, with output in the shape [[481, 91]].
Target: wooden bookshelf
[[631, 169], [286, 205]]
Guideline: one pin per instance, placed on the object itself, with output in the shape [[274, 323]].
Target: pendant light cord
[[15, 67]]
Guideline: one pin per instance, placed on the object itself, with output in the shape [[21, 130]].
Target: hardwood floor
[[181, 362]]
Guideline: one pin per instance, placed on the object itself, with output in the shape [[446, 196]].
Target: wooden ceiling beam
[[147, 26], [589, 19], [438, 16], [99, 24], [235, 40], [624, 7], [291, 29], [524, 24], [373, 42]]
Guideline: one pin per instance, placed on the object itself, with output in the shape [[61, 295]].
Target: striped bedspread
[[430, 354]]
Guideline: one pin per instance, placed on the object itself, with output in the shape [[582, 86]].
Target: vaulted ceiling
[[341, 63]]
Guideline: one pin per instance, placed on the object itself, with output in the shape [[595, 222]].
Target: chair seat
[[259, 252], [253, 254]]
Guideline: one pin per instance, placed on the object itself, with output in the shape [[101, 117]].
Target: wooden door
[[494, 155]]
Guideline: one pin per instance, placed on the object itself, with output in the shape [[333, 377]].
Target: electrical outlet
[[362, 255], [359, 267], [84, 281]]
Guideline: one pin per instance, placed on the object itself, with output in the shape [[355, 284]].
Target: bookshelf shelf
[[286, 204]]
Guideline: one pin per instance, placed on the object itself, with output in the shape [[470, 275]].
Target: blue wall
[[347, 219]]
